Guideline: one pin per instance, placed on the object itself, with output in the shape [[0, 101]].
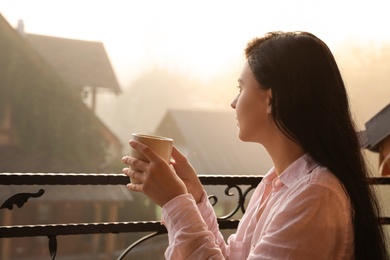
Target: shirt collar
[[295, 171]]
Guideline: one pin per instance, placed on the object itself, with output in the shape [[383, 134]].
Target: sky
[[198, 38]]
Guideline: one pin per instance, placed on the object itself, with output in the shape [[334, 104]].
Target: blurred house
[[46, 127], [209, 140], [376, 138], [44, 124], [84, 65]]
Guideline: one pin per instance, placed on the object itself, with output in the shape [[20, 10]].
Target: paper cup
[[159, 144]]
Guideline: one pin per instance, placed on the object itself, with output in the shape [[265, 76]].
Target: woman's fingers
[[177, 155], [134, 187], [134, 163], [155, 178], [136, 176], [144, 149]]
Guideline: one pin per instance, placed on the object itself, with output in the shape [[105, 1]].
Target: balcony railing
[[238, 186]]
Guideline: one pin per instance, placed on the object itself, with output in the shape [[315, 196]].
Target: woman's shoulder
[[324, 177], [324, 181]]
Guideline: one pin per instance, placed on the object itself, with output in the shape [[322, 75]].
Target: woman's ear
[[269, 101], [269, 109]]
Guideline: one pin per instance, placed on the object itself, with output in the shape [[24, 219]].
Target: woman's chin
[[241, 136], [247, 138]]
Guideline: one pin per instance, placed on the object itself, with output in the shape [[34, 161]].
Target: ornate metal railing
[[239, 186]]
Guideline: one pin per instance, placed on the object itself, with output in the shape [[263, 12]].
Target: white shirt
[[305, 214]]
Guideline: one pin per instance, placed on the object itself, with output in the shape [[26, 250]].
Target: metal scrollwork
[[52, 246], [136, 243], [245, 194], [213, 200], [240, 202], [20, 198]]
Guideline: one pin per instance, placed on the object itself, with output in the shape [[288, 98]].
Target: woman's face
[[253, 111]]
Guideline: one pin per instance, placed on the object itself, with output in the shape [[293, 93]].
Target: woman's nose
[[233, 104]]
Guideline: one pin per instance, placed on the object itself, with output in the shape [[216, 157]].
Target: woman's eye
[[239, 88]]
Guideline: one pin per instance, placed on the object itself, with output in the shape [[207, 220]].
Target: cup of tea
[[159, 144]]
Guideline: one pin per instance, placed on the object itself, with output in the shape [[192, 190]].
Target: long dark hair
[[310, 105]]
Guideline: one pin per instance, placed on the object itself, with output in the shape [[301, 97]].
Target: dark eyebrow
[[239, 80]]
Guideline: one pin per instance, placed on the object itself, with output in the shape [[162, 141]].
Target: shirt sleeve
[[192, 229], [315, 220]]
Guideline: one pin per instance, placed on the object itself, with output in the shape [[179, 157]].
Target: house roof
[[377, 129], [80, 63], [209, 140]]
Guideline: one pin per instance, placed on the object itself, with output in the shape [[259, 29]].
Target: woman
[[315, 203]]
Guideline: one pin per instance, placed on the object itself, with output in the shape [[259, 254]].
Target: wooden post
[[93, 105], [6, 242], [112, 217], [96, 237]]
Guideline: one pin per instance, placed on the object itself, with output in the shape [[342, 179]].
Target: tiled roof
[[80, 63], [377, 129]]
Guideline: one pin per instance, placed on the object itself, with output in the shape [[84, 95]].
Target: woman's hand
[[187, 174], [157, 178]]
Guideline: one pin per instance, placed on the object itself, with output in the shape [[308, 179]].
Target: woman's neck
[[284, 152]]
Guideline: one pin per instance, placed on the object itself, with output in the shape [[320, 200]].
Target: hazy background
[[188, 54]]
